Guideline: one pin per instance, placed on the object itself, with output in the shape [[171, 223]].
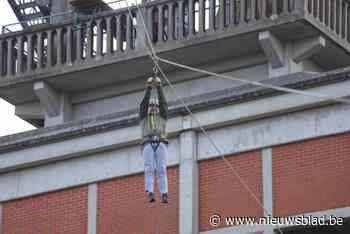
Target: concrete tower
[[80, 79]]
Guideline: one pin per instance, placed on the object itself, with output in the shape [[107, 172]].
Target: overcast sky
[[9, 123]]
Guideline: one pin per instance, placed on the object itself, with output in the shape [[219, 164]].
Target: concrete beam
[[79, 171], [188, 171], [32, 110], [243, 136], [48, 97], [92, 208], [103, 161], [273, 48], [304, 49]]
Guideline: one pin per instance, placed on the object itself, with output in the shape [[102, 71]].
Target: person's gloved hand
[[157, 81], [149, 82]]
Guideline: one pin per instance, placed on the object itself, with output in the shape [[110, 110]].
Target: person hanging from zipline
[[153, 117]]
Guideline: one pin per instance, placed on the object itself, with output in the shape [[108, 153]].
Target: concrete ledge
[[103, 162], [198, 103], [107, 138], [276, 131], [77, 171]]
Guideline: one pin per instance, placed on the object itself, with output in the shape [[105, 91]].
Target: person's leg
[[161, 167], [149, 165]]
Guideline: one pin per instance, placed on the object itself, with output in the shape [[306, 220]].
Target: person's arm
[[163, 105], [145, 102]]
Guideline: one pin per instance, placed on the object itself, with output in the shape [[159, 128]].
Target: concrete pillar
[[188, 173], [99, 38], [9, 58], [20, 54], [273, 49], [65, 111], [57, 106], [267, 186], [40, 50], [59, 46], [50, 48], [30, 53], [92, 208], [1, 218], [2, 58]]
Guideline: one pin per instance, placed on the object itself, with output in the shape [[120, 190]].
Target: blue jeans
[[154, 156]]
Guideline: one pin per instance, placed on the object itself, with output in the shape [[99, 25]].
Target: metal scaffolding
[[31, 12]]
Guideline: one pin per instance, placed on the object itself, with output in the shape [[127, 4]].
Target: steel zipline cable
[[155, 58]]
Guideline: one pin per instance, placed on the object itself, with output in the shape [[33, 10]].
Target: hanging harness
[[154, 142], [155, 145]]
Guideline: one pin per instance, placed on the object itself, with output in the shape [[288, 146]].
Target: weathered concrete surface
[[48, 97], [185, 89], [96, 146], [118, 68], [306, 48], [273, 48], [31, 110], [83, 170], [276, 130]]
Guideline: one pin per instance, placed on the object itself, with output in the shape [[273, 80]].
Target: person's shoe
[[151, 197], [164, 198]]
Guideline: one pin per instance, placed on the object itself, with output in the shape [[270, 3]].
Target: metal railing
[[115, 33], [333, 14], [51, 19]]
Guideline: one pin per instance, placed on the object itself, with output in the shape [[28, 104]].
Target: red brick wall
[[311, 175], [221, 192], [58, 212], [123, 207]]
